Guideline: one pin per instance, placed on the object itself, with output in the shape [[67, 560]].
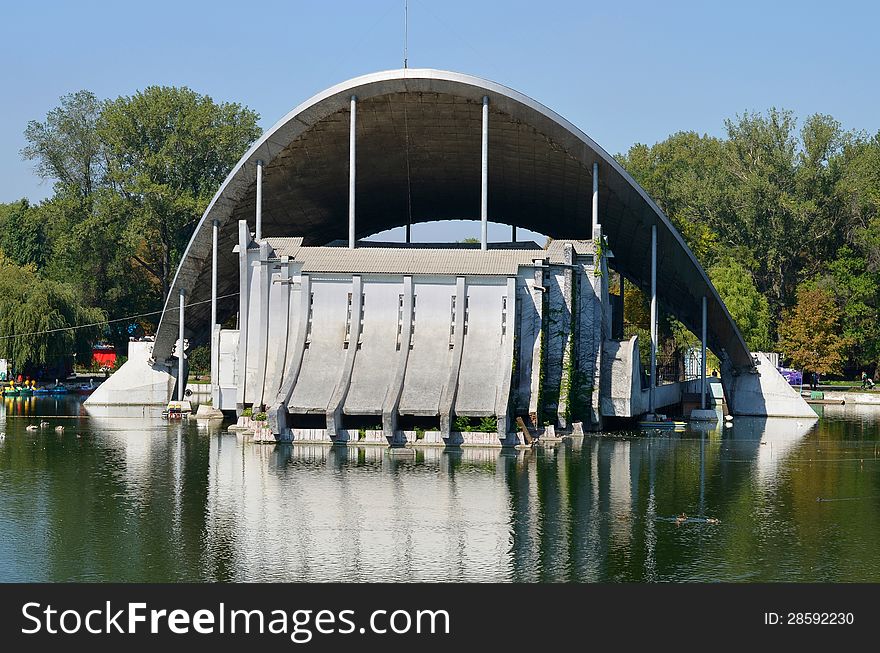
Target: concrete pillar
[[703, 359], [262, 322], [337, 400], [536, 356], [651, 406], [484, 179], [215, 381], [392, 398], [595, 218], [277, 413], [564, 328], [351, 170], [502, 398], [181, 382], [244, 238], [259, 217], [447, 397]]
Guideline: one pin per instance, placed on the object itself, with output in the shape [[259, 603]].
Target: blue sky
[[623, 72]]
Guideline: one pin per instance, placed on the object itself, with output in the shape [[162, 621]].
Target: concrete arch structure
[[418, 159], [539, 178]]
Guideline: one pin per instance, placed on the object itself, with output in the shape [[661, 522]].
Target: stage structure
[[333, 331]]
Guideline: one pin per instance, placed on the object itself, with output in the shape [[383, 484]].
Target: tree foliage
[[809, 333], [746, 305], [35, 314], [772, 205], [66, 147], [23, 235], [168, 149], [132, 177]]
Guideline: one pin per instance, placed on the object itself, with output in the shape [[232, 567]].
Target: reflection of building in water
[[599, 509], [357, 513], [768, 441]]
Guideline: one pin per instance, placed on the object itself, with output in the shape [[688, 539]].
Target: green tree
[[769, 195], [746, 305], [856, 290], [35, 314], [132, 177], [199, 359], [168, 149], [686, 176], [778, 211], [23, 236], [66, 146], [810, 333]]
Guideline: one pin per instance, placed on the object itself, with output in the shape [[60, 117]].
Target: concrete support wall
[[401, 348], [136, 382], [566, 326], [324, 354], [244, 287], [227, 365], [427, 366], [557, 325], [258, 324], [596, 308], [351, 345], [374, 368], [391, 402], [282, 327], [621, 389], [447, 398], [300, 313], [337, 344], [536, 359], [763, 393], [505, 365]]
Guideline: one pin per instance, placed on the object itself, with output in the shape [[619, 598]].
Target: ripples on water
[[142, 499]]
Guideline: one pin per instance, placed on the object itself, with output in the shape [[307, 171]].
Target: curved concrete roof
[[418, 154]]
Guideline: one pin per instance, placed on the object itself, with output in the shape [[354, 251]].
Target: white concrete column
[[703, 359], [351, 170], [259, 217], [180, 380], [214, 345], [244, 287], [651, 405], [595, 218], [484, 179]]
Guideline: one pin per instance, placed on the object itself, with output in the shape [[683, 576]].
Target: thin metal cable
[[118, 319]]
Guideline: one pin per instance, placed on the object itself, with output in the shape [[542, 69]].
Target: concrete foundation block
[[137, 382], [701, 415], [208, 412]]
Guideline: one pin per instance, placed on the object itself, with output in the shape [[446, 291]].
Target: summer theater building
[[340, 330]]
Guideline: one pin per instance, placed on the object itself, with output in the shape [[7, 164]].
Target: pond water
[[137, 498]]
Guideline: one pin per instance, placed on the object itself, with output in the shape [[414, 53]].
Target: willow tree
[[36, 316]]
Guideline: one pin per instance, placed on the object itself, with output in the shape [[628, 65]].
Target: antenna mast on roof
[[405, 29]]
